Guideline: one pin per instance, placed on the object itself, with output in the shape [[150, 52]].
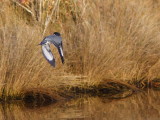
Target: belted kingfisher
[[55, 39]]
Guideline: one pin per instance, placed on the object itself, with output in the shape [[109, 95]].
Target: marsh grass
[[103, 41]]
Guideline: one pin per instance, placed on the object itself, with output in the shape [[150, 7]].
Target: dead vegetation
[[104, 41]]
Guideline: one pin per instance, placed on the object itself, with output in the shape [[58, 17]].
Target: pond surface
[[140, 106]]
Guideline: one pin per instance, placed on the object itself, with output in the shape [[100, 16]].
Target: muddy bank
[[110, 90]]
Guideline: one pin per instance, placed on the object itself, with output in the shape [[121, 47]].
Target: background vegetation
[[104, 40]]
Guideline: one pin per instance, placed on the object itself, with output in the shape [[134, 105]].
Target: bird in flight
[[55, 39]]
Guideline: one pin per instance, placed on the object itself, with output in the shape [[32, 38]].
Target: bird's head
[[57, 33]]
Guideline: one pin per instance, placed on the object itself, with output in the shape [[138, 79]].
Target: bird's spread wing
[[60, 50], [59, 46], [48, 54]]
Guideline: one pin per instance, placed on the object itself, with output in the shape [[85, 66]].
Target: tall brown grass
[[103, 41]]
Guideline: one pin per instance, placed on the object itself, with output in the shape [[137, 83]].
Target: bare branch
[[28, 10], [48, 19]]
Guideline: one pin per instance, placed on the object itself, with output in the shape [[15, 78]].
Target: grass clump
[[104, 41]]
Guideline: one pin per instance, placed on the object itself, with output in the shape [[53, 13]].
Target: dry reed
[[103, 41]]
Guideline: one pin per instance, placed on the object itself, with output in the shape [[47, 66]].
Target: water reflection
[[141, 106]]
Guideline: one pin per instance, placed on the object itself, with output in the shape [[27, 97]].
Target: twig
[[48, 19], [23, 7], [40, 10]]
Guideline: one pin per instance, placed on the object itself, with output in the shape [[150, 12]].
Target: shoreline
[[110, 90]]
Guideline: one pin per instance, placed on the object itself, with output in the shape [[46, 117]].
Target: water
[[140, 106]]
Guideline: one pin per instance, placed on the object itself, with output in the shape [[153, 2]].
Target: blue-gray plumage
[[57, 41]]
